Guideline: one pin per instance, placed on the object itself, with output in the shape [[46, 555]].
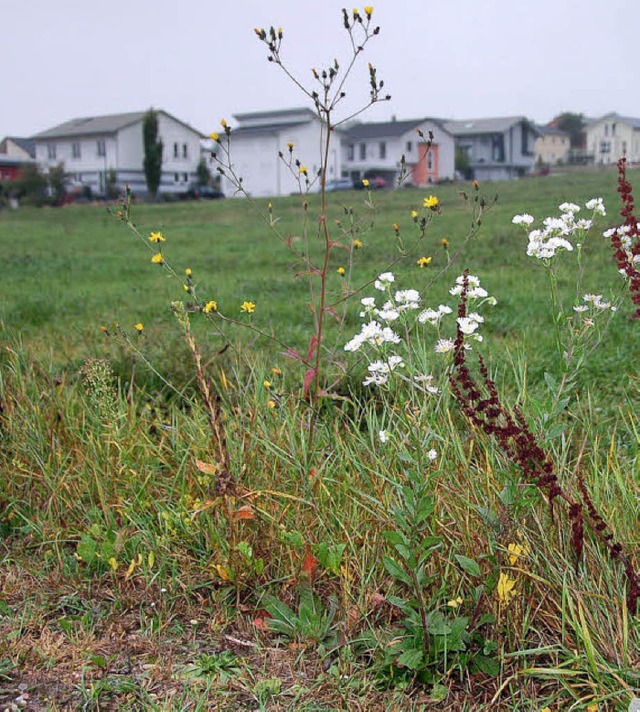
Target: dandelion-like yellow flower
[[104, 329], [223, 123], [139, 327], [414, 214], [303, 170], [341, 271], [430, 202], [186, 288], [368, 9], [119, 214], [455, 602], [157, 237], [271, 404], [476, 185], [365, 182], [444, 242], [214, 136], [269, 207], [276, 371], [188, 272], [505, 589], [357, 244], [157, 259], [290, 146], [424, 262], [267, 384], [395, 227], [247, 307], [210, 307]]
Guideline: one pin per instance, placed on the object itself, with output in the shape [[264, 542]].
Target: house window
[[497, 148], [605, 146], [185, 177], [383, 150], [351, 152], [624, 148], [51, 151], [185, 151], [606, 129], [613, 129], [101, 149], [75, 149], [430, 161], [176, 177], [363, 151], [176, 152]]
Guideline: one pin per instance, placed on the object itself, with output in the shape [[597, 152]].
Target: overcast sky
[[201, 61]]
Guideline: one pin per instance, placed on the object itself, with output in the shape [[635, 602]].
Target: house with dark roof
[[495, 148], [552, 145], [371, 150], [93, 148], [15, 154], [258, 139], [612, 136]]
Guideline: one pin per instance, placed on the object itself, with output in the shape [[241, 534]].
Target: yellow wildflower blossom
[[223, 123], [303, 170], [341, 271], [505, 589], [271, 404], [248, 307], [444, 242], [290, 146], [188, 272], [365, 182], [210, 307], [395, 227], [139, 327], [276, 371], [357, 244], [455, 602], [267, 384], [157, 237], [424, 261], [368, 10], [414, 214], [430, 202], [214, 136], [157, 259]]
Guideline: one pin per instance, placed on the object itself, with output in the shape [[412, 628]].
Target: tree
[[57, 183], [203, 175], [152, 152], [32, 185], [573, 124]]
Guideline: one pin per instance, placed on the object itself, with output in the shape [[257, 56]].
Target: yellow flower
[[515, 552], [414, 214], [455, 602], [444, 242], [210, 306], [267, 384], [113, 563], [341, 271], [430, 202], [157, 237], [119, 214], [290, 146], [424, 261], [276, 371], [357, 244], [303, 170], [186, 288], [188, 272], [505, 589], [139, 327], [157, 259], [214, 136], [223, 123], [104, 329], [368, 9], [395, 227], [248, 307], [365, 182], [476, 185], [271, 404], [269, 207]]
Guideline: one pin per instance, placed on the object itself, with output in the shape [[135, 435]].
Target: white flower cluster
[[594, 304], [626, 242], [554, 235]]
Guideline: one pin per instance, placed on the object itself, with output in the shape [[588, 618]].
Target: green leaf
[[437, 624], [468, 565], [87, 549], [551, 382], [394, 568], [489, 666], [411, 659], [439, 692]]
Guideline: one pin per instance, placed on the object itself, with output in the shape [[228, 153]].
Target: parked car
[[375, 183], [339, 184], [203, 192]]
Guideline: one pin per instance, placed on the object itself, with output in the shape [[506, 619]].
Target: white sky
[[200, 60]]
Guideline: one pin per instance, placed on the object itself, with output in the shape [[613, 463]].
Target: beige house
[[613, 136], [552, 146]]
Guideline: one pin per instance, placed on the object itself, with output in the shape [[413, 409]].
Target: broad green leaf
[[468, 565]]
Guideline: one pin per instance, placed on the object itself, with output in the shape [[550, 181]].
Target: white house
[[91, 147], [370, 150], [259, 138], [613, 136], [496, 148]]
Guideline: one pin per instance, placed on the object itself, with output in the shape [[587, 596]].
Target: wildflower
[[414, 214], [188, 272], [271, 404], [119, 214], [210, 306], [455, 602], [444, 346], [476, 185], [341, 271], [385, 279], [368, 11], [104, 329], [357, 244], [515, 552], [569, 208], [432, 455], [424, 262], [139, 327], [157, 259], [505, 588], [248, 307], [290, 145], [444, 242], [430, 202], [407, 299], [365, 182], [597, 205], [388, 312], [467, 326], [395, 227], [383, 436], [157, 237], [215, 137], [524, 219], [303, 170], [276, 371], [223, 123], [267, 384], [186, 288]]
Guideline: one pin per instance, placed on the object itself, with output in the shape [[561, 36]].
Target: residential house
[[495, 148], [552, 146], [15, 153], [95, 148], [371, 150], [613, 136], [259, 138]]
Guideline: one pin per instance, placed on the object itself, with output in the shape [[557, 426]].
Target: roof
[[108, 124], [385, 129], [275, 114], [474, 127], [265, 128], [26, 144], [630, 120], [547, 129]]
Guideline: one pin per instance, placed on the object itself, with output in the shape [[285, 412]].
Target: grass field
[[163, 552]]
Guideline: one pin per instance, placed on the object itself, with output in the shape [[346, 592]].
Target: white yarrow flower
[[432, 455], [384, 280]]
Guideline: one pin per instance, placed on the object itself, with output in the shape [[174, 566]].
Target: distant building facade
[[613, 136], [15, 154], [91, 148], [552, 146]]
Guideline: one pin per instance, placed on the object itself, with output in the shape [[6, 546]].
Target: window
[[613, 129], [185, 177], [101, 149], [176, 152], [606, 129], [176, 177], [351, 152], [409, 146], [497, 148], [383, 149], [185, 151], [75, 149], [624, 148], [605, 146], [430, 161], [51, 151], [363, 151]]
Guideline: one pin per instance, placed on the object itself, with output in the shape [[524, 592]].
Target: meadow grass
[[159, 553]]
